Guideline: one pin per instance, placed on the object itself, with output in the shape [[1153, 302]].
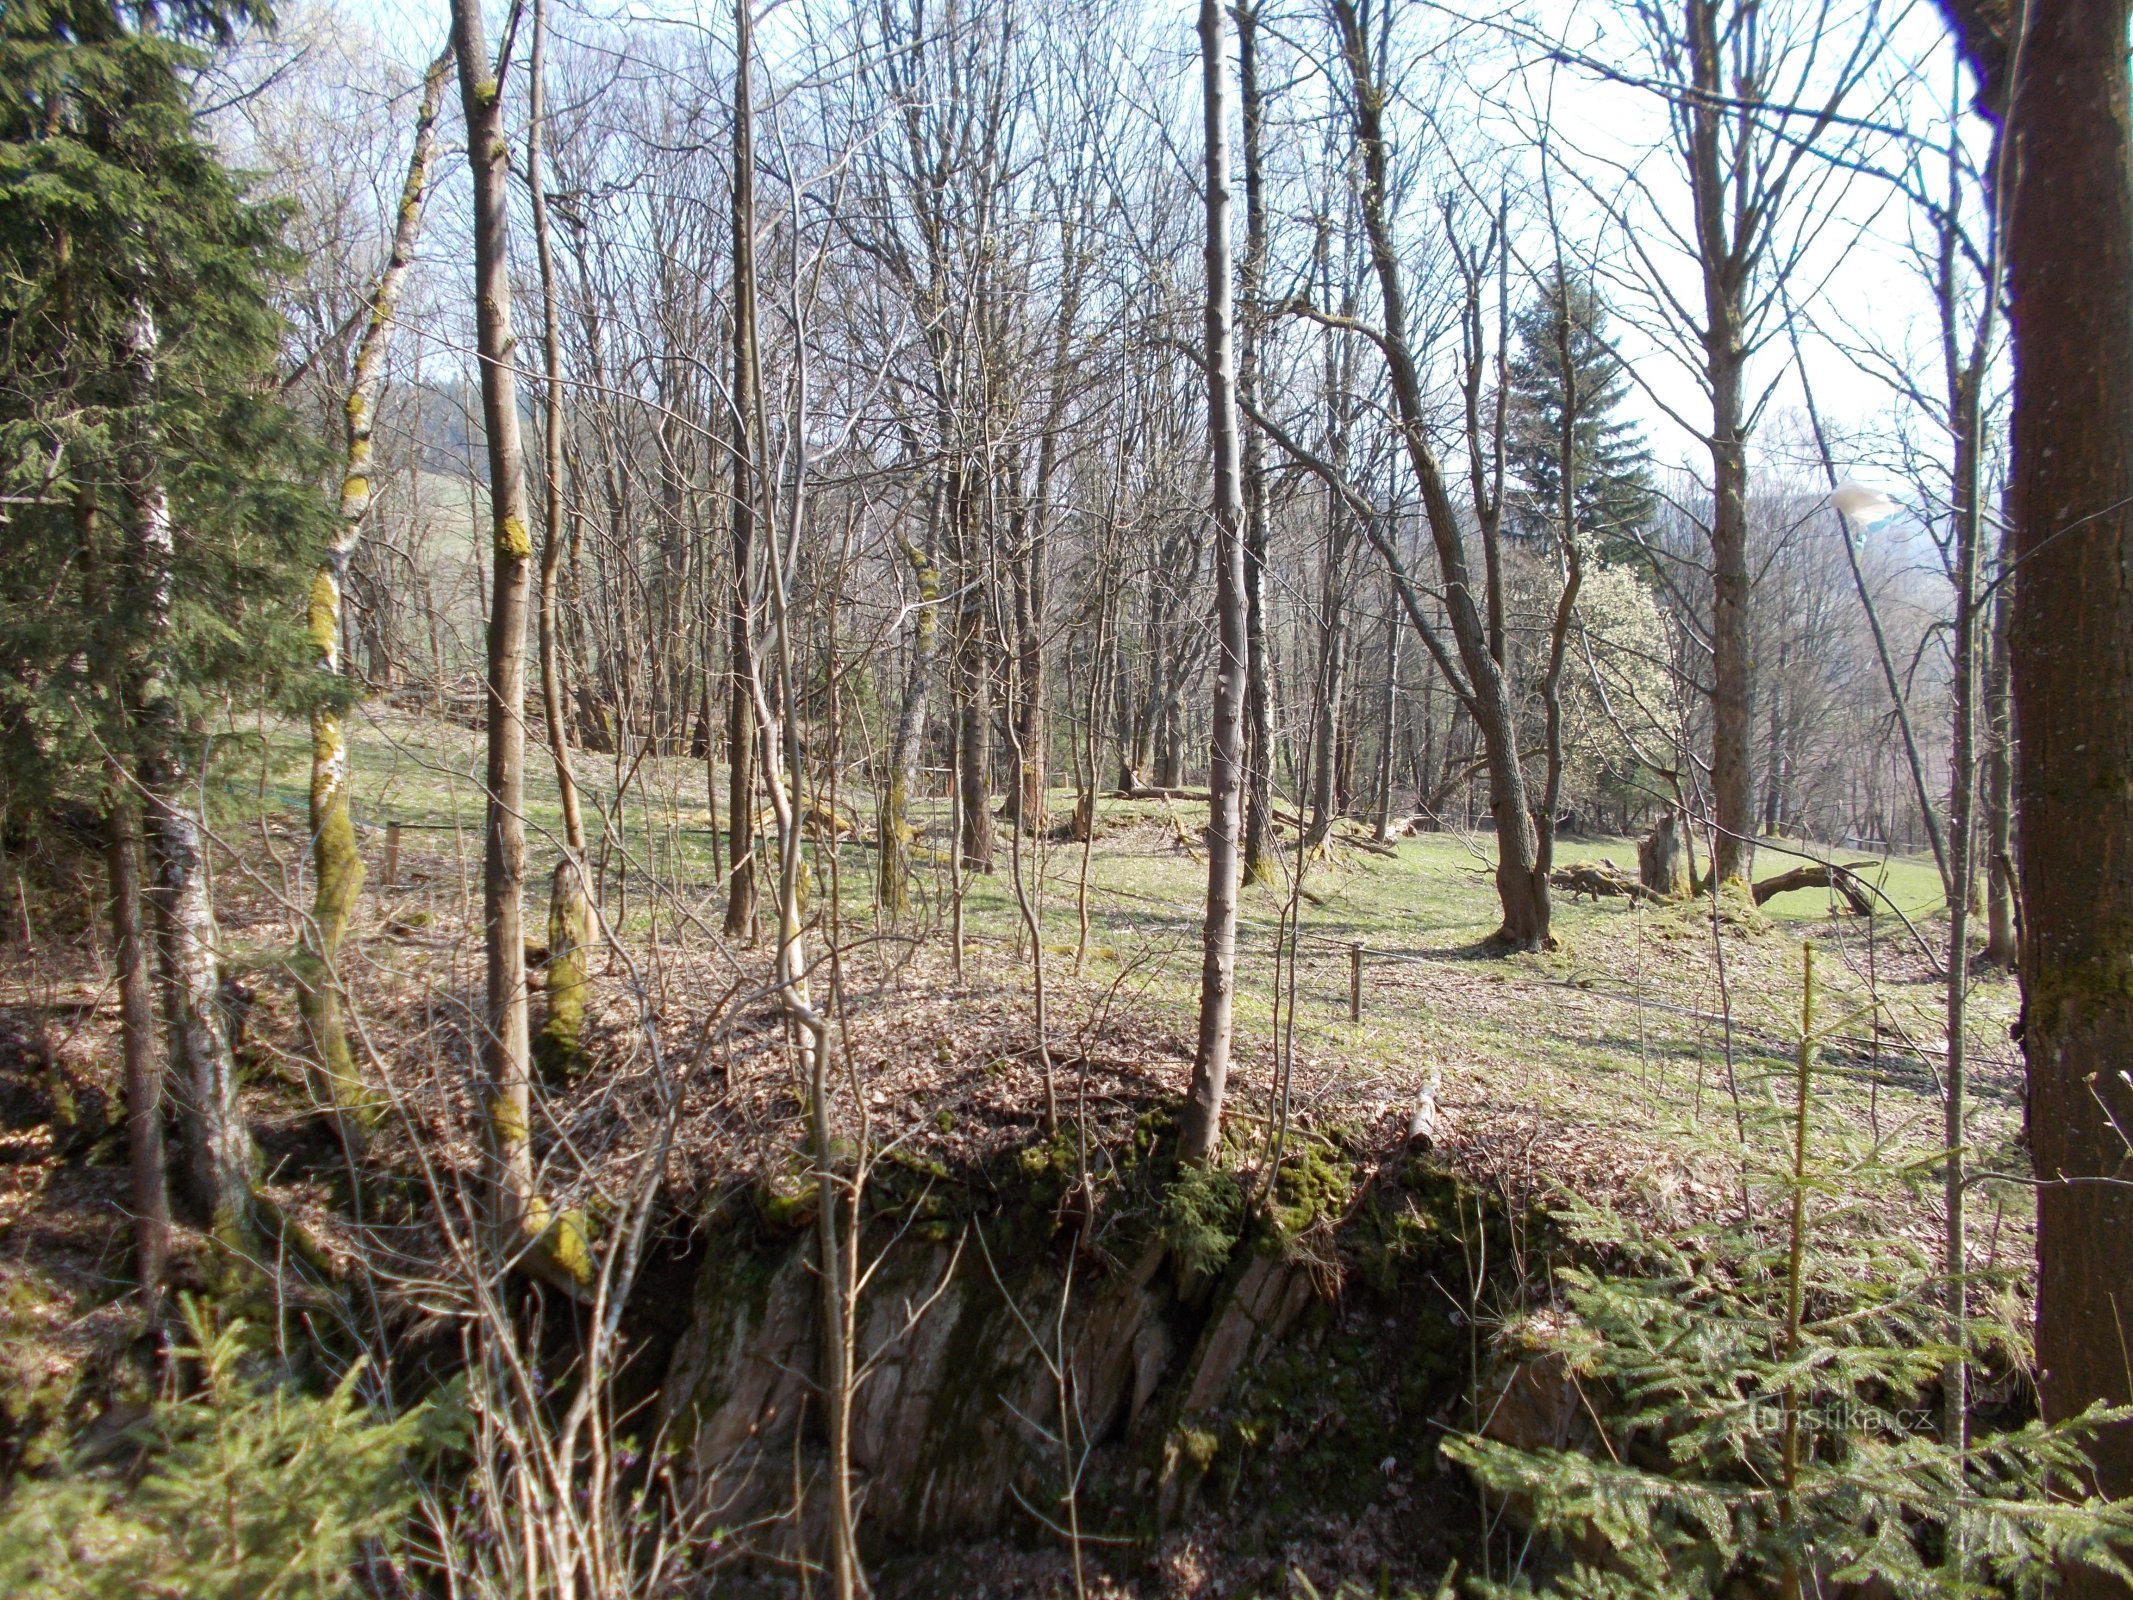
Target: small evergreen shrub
[[1202, 1217], [1763, 1393], [243, 1489]]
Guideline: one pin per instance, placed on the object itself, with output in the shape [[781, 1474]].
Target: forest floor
[[1623, 1066]]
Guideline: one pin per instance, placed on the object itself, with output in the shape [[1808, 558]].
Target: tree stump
[[1663, 860]]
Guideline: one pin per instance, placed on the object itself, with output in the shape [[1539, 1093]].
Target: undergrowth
[[238, 1484]]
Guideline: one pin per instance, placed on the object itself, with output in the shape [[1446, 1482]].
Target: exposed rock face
[[960, 1413]]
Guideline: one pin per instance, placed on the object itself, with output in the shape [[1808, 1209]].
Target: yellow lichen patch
[[512, 539], [355, 490], [565, 1244], [322, 617], [507, 1123]]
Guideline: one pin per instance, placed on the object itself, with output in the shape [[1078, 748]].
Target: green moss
[[1201, 1218], [1197, 1447], [1315, 1181], [566, 1245], [785, 1205], [560, 1048]]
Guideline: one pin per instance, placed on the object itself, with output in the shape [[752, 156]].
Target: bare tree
[[506, 1045], [336, 863], [1200, 1130]]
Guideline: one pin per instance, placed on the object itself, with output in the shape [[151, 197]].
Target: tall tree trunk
[[1725, 363], [1388, 731], [570, 928], [1332, 684], [973, 676], [139, 1042], [1521, 883], [1258, 715], [2002, 946], [337, 865], [506, 1046], [215, 1142], [2063, 93], [1200, 1133], [741, 729], [901, 779]]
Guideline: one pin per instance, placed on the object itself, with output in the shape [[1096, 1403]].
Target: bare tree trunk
[[1259, 848], [1963, 770], [741, 729], [149, 1192], [1200, 1134], [1663, 864], [1332, 669], [337, 866], [2062, 94], [1521, 885], [1732, 648], [215, 1142], [973, 677], [2002, 945], [1570, 545], [506, 1047], [570, 922], [1388, 730], [901, 780]]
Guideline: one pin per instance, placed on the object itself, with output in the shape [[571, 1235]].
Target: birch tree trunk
[[216, 1144], [1200, 1135], [337, 866]]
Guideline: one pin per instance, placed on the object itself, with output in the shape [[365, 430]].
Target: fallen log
[[1597, 879], [1153, 791], [1821, 875]]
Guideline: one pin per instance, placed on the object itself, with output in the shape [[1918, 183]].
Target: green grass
[[1619, 1028]]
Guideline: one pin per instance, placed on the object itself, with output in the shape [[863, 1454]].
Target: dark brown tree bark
[[745, 402], [2062, 93], [1258, 713], [1725, 268]]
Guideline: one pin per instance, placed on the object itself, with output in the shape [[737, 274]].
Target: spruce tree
[[1613, 497], [160, 502]]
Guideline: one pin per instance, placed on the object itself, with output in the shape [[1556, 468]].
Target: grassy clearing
[[1624, 1061]]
